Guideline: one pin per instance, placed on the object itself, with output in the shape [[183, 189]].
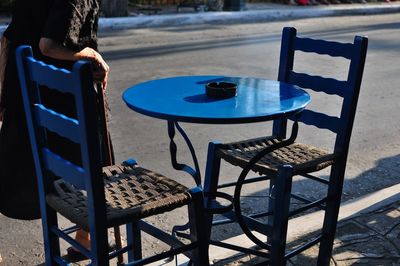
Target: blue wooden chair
[[279, 159], [93, 197]]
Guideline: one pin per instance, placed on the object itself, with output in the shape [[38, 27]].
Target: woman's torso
[[76, 19], [72, 23]]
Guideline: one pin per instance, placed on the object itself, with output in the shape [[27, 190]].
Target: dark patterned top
[[72, 23]]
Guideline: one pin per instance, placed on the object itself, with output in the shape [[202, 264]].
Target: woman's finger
[[100, 77]]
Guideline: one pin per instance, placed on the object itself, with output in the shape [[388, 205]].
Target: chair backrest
[[34, 77], [347, 89]]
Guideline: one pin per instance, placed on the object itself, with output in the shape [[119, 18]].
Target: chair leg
[[51, 241], [211, 180], [271, 204], [283, 188], [331, 214], [118, 244], [99, 246], [134, 238], [198, 229]]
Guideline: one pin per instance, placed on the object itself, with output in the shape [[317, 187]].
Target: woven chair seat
[[131, 193], [302, 157]]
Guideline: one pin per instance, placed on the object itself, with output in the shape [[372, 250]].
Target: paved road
[[246, 50], [252, 50]]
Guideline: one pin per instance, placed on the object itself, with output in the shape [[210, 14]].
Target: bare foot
[[83, 238]]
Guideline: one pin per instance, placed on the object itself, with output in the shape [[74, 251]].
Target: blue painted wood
[[282, 192], [58, 123], [198, 232], [320, 84], [134, 239], [40, 70], [60, 261], [321, 120], [60, 233], [71, 229], [49, 216], [345, 89], [64, 168], [342, 126], [286, 60], [183, 99], [130, 162], [342, 145], [334, 49]]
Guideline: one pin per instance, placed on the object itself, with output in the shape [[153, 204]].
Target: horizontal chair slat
[[63, 168], [330, 48], [318, 83], [58, 123], [320, 120], [60, 79]]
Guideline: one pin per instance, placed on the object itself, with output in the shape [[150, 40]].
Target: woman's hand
[[50, 48], [100, 67]]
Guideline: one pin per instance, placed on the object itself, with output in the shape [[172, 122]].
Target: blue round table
[[183, 99]]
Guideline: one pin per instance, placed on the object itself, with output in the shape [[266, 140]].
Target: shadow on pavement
[[371, 236], [246, 40]]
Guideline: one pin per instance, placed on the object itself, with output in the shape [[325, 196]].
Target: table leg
[[178, 230], [286, 169], [195, 173]]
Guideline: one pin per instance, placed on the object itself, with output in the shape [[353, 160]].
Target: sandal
[[74, 255]]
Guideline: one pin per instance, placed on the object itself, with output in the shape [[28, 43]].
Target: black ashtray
[[221, 90]]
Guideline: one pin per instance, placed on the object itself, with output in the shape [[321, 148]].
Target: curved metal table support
[[195, 173], [241, 180]]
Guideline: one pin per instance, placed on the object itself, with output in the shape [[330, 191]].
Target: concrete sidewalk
[[256, 12], [368, 233]]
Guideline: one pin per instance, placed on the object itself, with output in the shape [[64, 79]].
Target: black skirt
[[18, 186]]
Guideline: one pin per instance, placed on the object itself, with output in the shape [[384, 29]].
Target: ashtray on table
[[221, 90]]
